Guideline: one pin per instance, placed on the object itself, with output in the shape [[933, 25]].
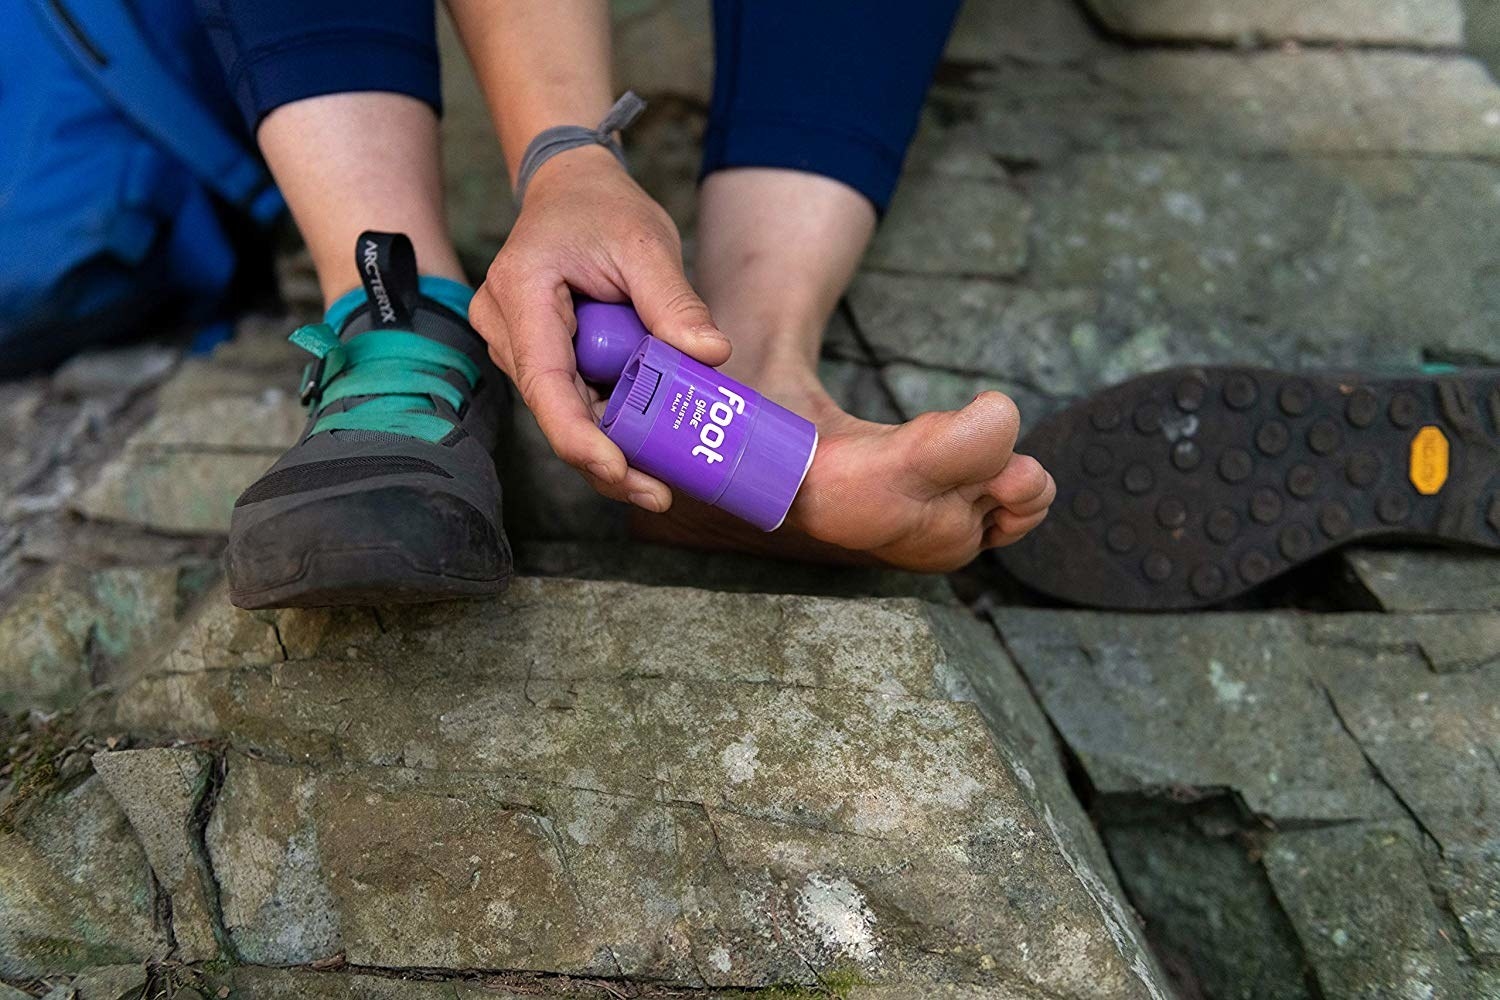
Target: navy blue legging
[[830, 88]]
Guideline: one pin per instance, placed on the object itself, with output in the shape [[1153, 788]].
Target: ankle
[[795, 386], [782, 368]]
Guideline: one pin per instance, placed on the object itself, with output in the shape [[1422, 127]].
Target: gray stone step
[[1282, 792], [596, 779]]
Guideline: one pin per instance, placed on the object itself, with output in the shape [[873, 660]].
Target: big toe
[[971, 445]]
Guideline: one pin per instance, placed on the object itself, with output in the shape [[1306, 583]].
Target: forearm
[[539, 64]]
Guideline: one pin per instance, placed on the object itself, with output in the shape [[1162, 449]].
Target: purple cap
[[608, 334], [707, 435]]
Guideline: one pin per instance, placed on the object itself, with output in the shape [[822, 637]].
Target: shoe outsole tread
[[1192, 486]]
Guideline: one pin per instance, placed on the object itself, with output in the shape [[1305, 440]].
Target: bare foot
[[927, 495]]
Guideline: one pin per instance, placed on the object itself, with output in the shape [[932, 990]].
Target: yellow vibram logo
[[1429, 460]]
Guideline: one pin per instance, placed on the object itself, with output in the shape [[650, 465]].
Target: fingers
[[636, 488], [667, 304], [567, 423], [534, 345]]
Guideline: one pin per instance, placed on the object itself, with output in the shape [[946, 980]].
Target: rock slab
[[598, 779]]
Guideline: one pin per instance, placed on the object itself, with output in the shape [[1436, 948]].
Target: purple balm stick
[[608, 335], [693, 428]]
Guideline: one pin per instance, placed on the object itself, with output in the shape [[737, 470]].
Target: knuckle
[[481, 310], [660, 237], [526, 377], [501, 272], [683, 302]]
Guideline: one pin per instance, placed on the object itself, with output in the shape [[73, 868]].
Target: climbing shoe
[[1191, 486], [391, 493]]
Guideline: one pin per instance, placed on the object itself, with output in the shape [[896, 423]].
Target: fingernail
[[600, 470], [709, 333], [646, 501]]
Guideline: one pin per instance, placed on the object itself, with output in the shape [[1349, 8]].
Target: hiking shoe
[[391, 493], [1187, 487]]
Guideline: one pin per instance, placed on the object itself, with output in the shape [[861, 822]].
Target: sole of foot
[[927, 495], [1187, 487]]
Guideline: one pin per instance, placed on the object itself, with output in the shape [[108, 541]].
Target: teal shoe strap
[[396, 375]]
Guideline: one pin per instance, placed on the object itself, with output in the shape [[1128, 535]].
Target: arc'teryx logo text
[[377, 283]]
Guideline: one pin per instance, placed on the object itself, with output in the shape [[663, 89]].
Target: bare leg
[[357, 161], [776, 250]]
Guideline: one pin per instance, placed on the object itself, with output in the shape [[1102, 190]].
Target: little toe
[[1006, 527], [1023, 485]]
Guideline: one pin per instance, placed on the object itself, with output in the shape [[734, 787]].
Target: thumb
[[670, 308]]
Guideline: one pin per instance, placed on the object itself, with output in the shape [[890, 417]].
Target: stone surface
[[858, 387], [919, 389], [1211, 910], [1002, 331], [742, 777], [1432, 738], [184, 490], [1414, 580], [301, 984], [1445, 643], [1469, 877], [1279, 790], [657, 565], [1234, 104], [74, 628], [1436, 23], [950, 225], [182, 471], [159, 791], [124, 370], [1188, 251], [476, 187], [663, 47], [1169, 706], [1482, 32], [109, 982], [75, 888], [1392, 943], [1048, 32]]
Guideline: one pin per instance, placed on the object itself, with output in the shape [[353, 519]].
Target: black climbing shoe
[[391, 493], [1191, 486]]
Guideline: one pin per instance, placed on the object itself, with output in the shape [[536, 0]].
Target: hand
[[586, 226]]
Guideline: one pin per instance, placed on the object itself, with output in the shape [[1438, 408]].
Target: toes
[[1023, 486], [969, 445], [1007, 527]]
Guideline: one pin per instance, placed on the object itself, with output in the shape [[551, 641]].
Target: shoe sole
[[1192, 486], [332, 578]]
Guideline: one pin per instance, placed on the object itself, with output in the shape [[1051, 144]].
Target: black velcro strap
[[388, 267]]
